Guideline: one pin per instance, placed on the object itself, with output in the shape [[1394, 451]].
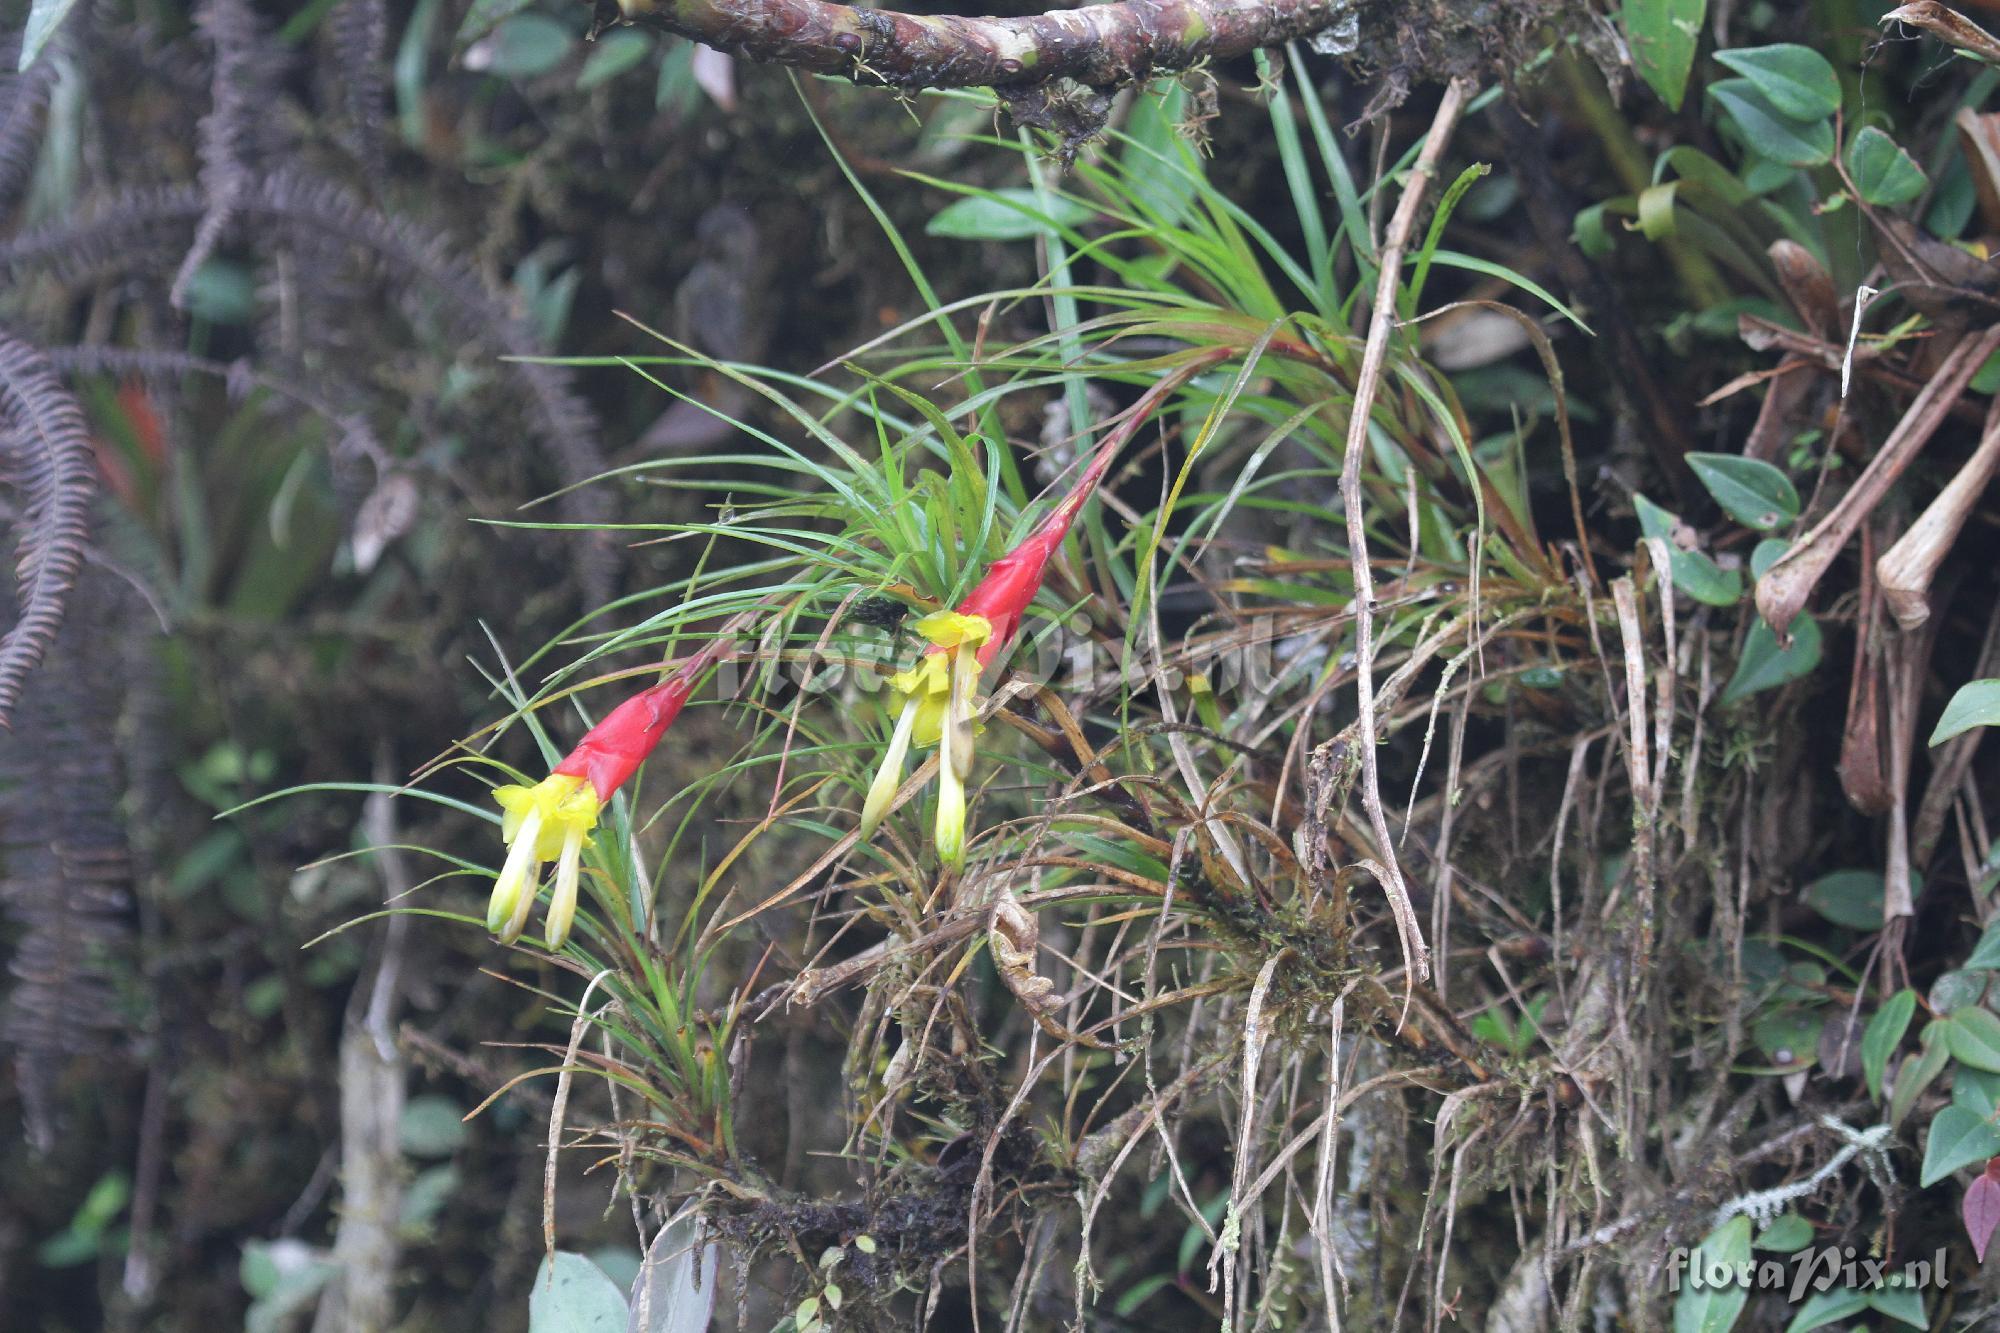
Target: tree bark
[[1102, 46]]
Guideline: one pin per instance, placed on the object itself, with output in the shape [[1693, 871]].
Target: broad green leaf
[[572, 1295], [1787, 1232], [1986, 953], [485, 15], [1703, 173], [1769, 133], [1003, 215], [1765, 666], [1851, 898], [283, 1279], [223, 291], [1701, 1308], [1973, 1034], [44, 17], [1823, 1307], [1766, 554], [1958, 1138], [1692, 572], [1884, 1035], [1977, 704], [1885, 175], [432, 1126], [520, 48], [1662, 35], [1903, 1304], [1976, 1090], [1797, 81], [617, 51], [1916, 1075], [1788, 1036], [1594, 238], [1955, 990], [1749, 490]]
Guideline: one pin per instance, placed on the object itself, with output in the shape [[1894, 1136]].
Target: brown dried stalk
[[1948, 26], [1416, 955], [1907, 568], [1783, 590]]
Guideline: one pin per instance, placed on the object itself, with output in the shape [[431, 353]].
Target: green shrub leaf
[[1692, 572], [1958, 1139], [1768, 132], [1797, 81], [1662, 35], [1977, 704], [1765, 666], [1787, 1233], [1973, 1034], [572, 1295], [1749, 490], [1701, 1308], [1885, 175], [1884, 1035]]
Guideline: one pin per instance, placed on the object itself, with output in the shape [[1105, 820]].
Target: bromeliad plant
[[1228, 851], [1158, 792]]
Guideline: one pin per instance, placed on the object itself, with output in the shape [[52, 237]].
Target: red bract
[[1012, 581], [611, 752]]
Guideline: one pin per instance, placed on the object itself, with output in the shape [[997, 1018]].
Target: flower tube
[[553, 820]]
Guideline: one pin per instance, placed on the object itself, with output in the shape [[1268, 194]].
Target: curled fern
[[46, 458]]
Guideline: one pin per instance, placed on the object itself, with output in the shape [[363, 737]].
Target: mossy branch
[[1102, 46]]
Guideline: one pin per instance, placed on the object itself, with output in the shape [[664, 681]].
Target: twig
[[1416, 955]]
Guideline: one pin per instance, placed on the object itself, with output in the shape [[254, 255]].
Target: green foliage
[[572, 1295], [1705, 1308], [1662, 35], [1975, 704]]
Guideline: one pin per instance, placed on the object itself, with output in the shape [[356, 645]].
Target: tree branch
[[1102, 46]]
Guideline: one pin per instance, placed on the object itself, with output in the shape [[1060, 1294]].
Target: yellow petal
[[950, 629], [517, 876], [889, 776], [950, 815], [562, 903]]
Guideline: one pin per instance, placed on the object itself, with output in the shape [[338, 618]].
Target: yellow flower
[[937, 709], [550, 821]]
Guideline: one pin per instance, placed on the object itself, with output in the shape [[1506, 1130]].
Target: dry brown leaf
[[1907, 568], [1786, 585]]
